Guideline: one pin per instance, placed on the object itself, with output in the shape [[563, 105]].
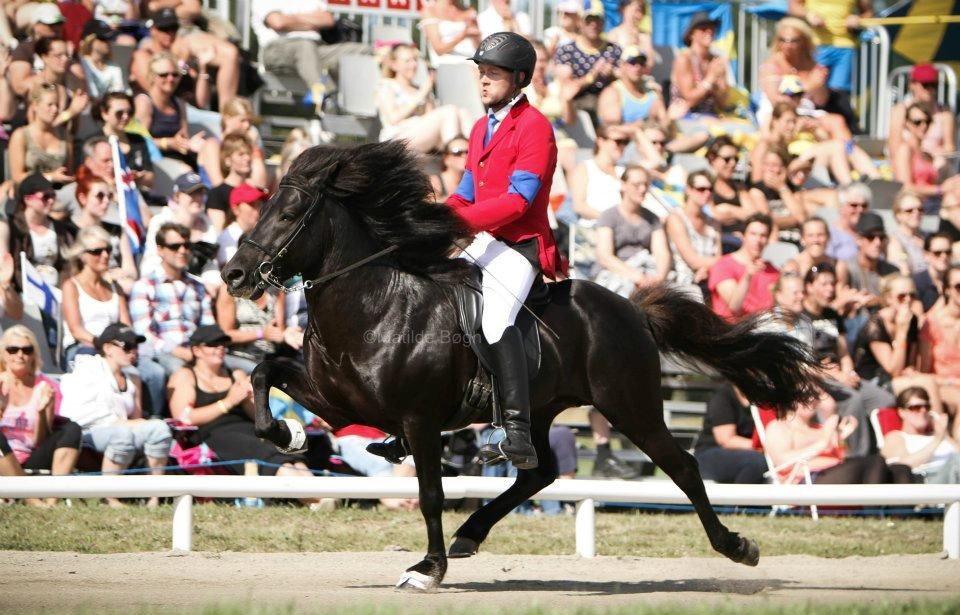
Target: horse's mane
[[383, 185]]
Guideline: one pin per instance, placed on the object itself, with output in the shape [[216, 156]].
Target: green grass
[[95, 528]]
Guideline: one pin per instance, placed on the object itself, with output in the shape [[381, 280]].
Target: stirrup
[[491, 454]]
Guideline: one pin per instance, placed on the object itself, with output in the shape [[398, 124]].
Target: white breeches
[[507, 279]]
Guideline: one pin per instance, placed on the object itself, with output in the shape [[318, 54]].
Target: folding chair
[[885, 420], [762, 418]]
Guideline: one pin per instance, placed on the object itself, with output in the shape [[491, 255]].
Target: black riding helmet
[[510, 51]]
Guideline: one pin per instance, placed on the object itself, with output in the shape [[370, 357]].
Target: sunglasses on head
[[99, 251], [175, 246], [26, 350], [918, 407]]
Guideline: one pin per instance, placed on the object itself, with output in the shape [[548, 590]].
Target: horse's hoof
[[747, 553], [463, 547], [414, 581]]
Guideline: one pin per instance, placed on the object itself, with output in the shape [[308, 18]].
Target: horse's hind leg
[[290, 377], [474, 531], [424, 439]]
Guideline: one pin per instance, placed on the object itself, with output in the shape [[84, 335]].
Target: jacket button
[[481, 165], [481, 184]]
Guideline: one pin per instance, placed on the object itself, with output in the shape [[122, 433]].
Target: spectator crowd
[[753, 205]]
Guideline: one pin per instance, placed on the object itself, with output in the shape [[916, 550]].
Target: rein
[[270, 272]]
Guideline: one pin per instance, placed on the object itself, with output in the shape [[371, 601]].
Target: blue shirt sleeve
[[466, 190], [524, 183]]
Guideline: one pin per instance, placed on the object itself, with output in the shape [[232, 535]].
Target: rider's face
[[495, 83]]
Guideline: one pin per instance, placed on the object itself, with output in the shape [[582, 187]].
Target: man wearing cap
[[941, 136], [588, 62], [630, 99], [245, 203], [835, 23]]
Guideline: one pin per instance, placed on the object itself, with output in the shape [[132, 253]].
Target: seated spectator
[[353, 441], [114, 112], [588, 62], [96, 198], [237, 118], [569, 13], [31, 429], [923, 441], [164, 114], [35, 233], [245, 204], [774, 196], [408, 111], [195, 53], [451, 30], [92, 300], [812, 198], [236, 167], [814, 235], [499, 16], [940, 139], [798, 437], [724, 449], [915, 167], [595, 183], [166, 306], [102, 77], [699, 76], [631, 30], [48, 26], [732, 202], [950, 221], [106, 403], [290, 41], [40, 146], [854, 201], [220, 403], [255, 327], [631, 246], [694, 237], [11, 303], [865, 271], [120, 15], [940, 347], [634, 97], [930, 281], [453, 165], [905, 248], [836, 27], [812, 123], [740, 283]]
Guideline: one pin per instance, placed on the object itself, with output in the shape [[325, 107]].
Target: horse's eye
[[286, 217]]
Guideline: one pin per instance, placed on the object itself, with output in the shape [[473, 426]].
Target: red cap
[[245, 193], [924, 73]]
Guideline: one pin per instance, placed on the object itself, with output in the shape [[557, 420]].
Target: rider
[[503, 199]]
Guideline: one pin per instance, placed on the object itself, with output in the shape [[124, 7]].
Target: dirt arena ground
[[54, 582]]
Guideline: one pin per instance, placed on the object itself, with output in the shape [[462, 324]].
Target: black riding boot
[[511, 374]]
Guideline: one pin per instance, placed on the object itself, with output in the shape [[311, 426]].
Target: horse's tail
[[772, 369]]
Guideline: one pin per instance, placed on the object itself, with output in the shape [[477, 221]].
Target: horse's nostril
[[233, 275]]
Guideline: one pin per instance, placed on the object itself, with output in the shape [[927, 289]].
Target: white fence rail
[[584, 492]]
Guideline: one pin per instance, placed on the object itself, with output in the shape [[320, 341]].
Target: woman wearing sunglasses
[[91, 298], [905, 248], [922, 443], [29, 405], [454, 164], [35, 233], [164, 114], [940, 345], [912, 164], [114, 112]]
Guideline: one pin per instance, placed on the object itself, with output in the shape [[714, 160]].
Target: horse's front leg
[[291, 378], [424, 439]]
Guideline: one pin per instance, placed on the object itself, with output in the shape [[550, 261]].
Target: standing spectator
[[724, 449], [741, 283], [632, 250], [236, 118], [941, 138], [451, 31], [164, 114], [235, 167], [633, 98], [914, 167], [114, 112], [865, 271], [499, 16], [106, 403], [408, 111], [732, 202], [40, 146], [453, 166], [905, 248], [923, 442], [700, 77], [91, 299], [290, 41], [814, 235], [588, 61], [930, 281], [940, 344], [835, 25], [102, 77], [32, 231], [854, 202], [569, 13], [694, 238], [28, 420], [166, 306]]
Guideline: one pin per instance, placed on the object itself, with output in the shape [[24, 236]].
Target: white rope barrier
[[585, 492]]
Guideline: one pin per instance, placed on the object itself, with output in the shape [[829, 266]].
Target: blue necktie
[[491, 126]]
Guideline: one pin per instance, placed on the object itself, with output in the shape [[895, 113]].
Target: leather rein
[[270, 272]]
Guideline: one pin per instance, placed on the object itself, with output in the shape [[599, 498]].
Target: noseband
[[269, 269]]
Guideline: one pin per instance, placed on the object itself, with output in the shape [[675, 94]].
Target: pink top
[[946, 356], [759, 295], [19, 424], [923, 170]]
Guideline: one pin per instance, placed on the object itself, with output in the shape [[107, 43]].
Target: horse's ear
[[329, 175]]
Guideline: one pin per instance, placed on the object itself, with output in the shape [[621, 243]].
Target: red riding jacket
[[506, 187]]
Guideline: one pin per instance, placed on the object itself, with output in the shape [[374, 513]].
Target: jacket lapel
[[509, 123]]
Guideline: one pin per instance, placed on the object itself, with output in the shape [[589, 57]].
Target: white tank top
[[94, 315], [915, 442], [603, 190]]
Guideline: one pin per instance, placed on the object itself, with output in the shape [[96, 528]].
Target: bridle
[[269, 270]]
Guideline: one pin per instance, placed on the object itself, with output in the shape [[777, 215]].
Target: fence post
[[951, 530], [585, 528], [183, 523]]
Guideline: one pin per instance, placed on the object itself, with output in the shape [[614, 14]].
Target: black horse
[[358, 225]]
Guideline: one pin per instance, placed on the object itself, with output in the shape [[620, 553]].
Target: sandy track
[[43, 581]]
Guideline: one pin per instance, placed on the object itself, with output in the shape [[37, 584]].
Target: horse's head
[[284, 243]]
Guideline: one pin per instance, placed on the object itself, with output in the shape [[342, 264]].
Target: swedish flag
[[921, 43]]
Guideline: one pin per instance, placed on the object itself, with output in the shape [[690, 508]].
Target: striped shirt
[[167, 312]]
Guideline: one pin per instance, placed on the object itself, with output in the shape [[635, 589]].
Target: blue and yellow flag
[[918, 44]]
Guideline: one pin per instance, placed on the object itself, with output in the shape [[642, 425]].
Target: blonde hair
[[887, 282], [232, 144], [41, 88], [902, 196], [800, 26], [235, 107], [85, 240], [391, 56], [164, 56], [297, 141], [27, 334]]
